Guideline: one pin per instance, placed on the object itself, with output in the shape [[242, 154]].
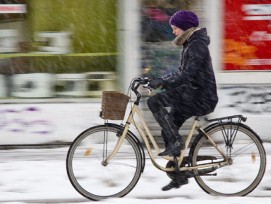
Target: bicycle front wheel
[[245, 152], [90, 177]]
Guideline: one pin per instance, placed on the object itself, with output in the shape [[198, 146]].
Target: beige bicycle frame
[[148, 135]]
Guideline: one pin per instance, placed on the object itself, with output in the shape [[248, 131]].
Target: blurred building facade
[[239, 32], [73, 45], [56, 37], [78, 48]]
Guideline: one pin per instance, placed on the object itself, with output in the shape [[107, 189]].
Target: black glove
[[156, 83]]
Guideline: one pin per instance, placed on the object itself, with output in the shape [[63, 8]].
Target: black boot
[[176, 183], [170, 133], [173, 149]]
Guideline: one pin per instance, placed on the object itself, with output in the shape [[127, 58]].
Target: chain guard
[[189, 174]]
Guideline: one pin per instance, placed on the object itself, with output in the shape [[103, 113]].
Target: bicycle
[[107, 160]]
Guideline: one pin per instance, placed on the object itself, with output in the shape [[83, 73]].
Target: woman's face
[[176, 31]]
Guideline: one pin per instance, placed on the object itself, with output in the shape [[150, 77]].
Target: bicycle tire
[[247, 154], [94, 180]]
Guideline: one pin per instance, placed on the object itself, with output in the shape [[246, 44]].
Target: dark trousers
[[170, 121]]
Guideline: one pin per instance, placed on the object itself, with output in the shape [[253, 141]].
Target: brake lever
[[146, 86]]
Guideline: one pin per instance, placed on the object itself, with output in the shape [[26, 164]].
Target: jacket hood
[[200, 34]]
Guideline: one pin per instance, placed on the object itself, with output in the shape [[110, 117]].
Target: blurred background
[[57, 56], [67, 52]]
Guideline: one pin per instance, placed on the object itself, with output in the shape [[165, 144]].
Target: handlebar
[[140, 81], [136, 82]]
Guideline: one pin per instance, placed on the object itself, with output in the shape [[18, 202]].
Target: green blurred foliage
[[93, 27]]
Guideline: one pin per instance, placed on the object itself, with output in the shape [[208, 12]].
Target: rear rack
[[240, 118]]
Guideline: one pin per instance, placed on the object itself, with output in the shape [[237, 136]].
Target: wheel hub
[[230, 161]]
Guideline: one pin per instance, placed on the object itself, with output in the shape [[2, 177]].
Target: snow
[[39, 176]]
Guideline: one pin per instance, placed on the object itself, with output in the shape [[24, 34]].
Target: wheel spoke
[[90, 176], [245, 151], [242, 150]]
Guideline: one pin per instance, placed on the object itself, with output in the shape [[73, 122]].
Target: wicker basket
[[114, 105]]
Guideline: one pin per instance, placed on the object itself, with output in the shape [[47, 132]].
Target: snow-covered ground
[[39, 176]]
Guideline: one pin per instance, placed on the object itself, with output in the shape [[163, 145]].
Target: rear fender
[[214, 125]]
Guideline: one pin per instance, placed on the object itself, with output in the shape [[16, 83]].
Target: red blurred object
[[156, 14], [247, 35]]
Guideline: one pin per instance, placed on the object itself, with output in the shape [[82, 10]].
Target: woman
[[190, 91]]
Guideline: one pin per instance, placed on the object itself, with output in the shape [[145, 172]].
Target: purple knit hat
[[184, 20]]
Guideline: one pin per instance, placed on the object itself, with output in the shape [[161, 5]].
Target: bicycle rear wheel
[[90, 177], [243, 147]]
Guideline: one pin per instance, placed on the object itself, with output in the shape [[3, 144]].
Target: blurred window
[[159, 57]]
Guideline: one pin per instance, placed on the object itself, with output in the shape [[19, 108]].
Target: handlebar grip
[[140, 81]]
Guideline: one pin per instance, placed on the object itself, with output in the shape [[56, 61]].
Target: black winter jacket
[[194, 84]]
